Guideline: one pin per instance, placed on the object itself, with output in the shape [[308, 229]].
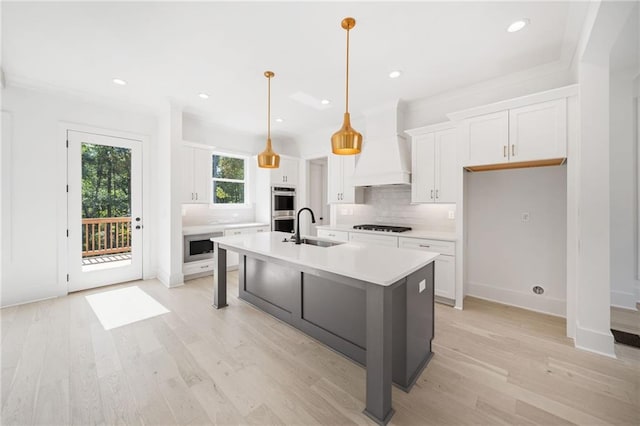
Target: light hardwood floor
[[493, 365]]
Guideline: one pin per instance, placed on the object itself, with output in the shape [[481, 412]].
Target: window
[[229, 179]]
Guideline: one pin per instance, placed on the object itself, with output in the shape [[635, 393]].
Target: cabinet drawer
[[229, 232], [197, 267], [442, 247], [381, 240], [333, 235], [263, 229]]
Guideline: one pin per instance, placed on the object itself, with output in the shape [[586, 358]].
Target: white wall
[[195, 129], [625, 65], [507, 257], [31, 227], [623, 160]]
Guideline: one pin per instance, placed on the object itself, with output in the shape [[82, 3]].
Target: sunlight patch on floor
[[124, 306]]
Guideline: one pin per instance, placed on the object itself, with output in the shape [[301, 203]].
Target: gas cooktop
[[382, 228]]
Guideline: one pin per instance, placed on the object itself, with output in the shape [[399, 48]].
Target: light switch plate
[[421, 286], [452, 214]]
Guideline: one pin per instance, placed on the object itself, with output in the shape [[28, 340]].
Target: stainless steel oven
[[199, 246], [283, 208]]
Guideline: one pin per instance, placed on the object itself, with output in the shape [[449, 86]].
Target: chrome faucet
[[313, 220]]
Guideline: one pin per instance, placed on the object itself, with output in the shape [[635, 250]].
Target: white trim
[[595, 341], [432, 128], [62, 207], [532, 302], [548, 95], [624, 300]]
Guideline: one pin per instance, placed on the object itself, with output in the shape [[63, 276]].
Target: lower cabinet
[[330, 234], [381, 240], [445, 273], [232, 257]]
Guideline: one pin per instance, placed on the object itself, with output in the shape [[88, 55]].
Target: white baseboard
[[532, 302], [170, 281], [621, 299], [595, 341]]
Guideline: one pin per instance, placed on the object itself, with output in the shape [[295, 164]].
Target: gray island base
[[386, 328]]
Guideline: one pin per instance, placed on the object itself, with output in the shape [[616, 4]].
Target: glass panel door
[[105, 222]]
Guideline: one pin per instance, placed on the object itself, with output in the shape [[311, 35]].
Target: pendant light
[[268, 159], [347, 141]]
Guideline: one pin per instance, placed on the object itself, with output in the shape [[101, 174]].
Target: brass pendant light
[[347, 140], [268, 159]]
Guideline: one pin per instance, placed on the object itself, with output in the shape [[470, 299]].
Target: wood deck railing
[[106, 235]]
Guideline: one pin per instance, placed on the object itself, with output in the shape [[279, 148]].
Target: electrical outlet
[[452, 214], [524, 217], [422, 286]]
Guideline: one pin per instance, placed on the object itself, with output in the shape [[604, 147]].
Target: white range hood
[[385, 157]]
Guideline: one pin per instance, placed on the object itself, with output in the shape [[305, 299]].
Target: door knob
[[138, 227], [137, 219]]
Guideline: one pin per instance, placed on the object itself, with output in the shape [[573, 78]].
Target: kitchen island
[[373, 304]]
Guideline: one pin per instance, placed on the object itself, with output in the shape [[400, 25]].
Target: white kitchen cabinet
[[434, 166], [445, 264], [486, 139], [340, 188], [381, 240], [525, 134], [196, 175], [330, 234], [233, 259], [286, 173], [539, 131]]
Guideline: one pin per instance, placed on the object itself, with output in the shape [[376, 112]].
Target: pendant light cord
[[269, 109], [347, 91]]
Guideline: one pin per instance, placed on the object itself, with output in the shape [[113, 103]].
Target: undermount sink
[[319, 243]]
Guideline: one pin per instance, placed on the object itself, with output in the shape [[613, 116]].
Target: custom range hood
[[385, 157]]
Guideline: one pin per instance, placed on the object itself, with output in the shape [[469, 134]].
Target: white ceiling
[[177, 50]]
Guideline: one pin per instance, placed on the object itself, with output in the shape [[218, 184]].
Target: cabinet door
[[330, 234], [290, 170], [186, 175], [381, 240], [335, 179], [348, 168], [539, 131], [446, 166], [423, 169], [487, 138], [445, 277], [202, 166]]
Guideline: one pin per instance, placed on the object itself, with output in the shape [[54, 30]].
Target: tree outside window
[[229, 178]]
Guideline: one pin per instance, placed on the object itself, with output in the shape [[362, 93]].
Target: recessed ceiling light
[[518, 25], [204, 96], [395, 74], [325, 102], [279, 120], [119, 82]]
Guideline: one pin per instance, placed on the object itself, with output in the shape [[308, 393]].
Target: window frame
[[245, 181]]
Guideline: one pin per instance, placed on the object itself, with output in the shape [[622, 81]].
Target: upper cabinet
[[487, 138], [340, 186], [522, 135], [434, 164], [196, 175], [538, 131], [287, 173]]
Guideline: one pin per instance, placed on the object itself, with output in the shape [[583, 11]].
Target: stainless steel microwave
[[199, 246]]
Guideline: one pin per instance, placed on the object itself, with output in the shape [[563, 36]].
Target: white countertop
[[432, 235], [370, 263], [204, 229]]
